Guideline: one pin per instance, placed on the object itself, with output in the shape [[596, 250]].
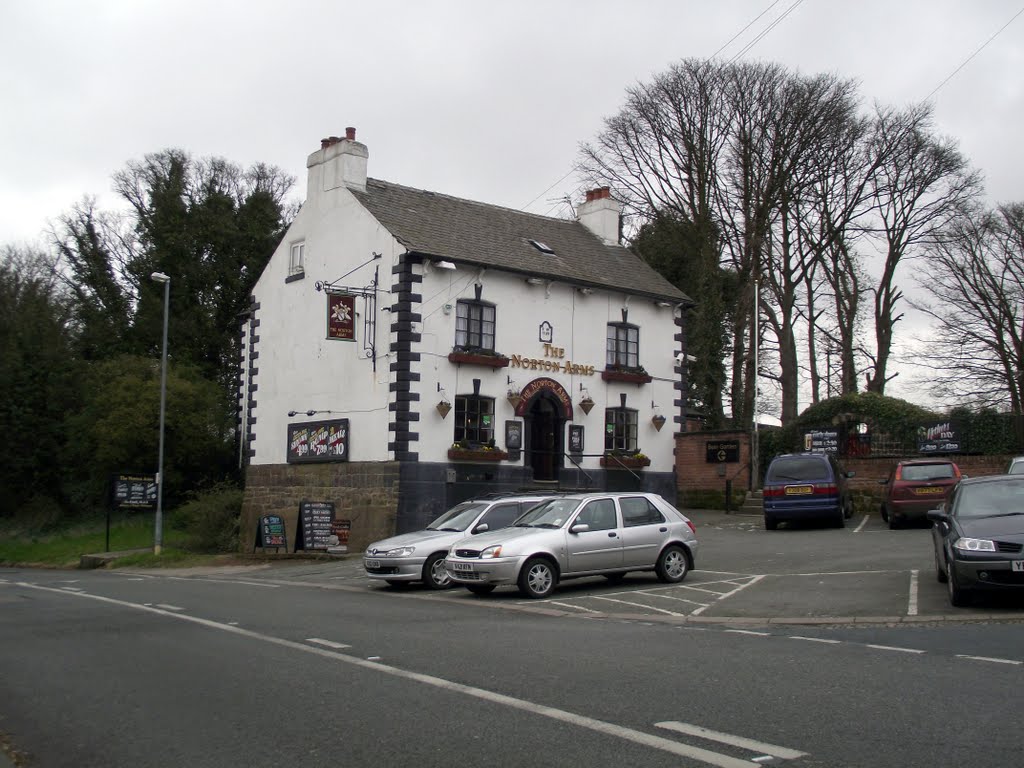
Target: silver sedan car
[[607, 534], [419, 556]]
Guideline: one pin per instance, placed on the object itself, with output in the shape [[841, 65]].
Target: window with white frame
[[620, 429], [623, 346], [297, 260]]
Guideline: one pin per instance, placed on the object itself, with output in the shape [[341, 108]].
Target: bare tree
[[921, 182], [974, 277]]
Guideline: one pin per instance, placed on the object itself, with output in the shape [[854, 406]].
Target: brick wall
[[365, 493], [699, 483]]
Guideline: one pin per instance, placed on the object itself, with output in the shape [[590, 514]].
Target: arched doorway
[[545, 407]]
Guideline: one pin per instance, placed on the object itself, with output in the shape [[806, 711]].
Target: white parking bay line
[[862, 524], [912, 600], [784, 753], [570, 605], [730, 594], [637, 605], [327, 643], [989, 658]]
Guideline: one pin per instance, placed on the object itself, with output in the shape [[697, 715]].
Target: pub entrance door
[[544, 428]]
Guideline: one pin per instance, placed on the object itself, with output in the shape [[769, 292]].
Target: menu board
[[315, 522], [132, 491], [271, 532]]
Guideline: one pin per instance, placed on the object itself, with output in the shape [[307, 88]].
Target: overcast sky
[[473, 98]]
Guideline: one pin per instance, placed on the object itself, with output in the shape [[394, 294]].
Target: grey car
[[608, 534], [419, 556]]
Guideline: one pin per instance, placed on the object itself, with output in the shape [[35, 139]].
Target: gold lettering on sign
[[552, 365]]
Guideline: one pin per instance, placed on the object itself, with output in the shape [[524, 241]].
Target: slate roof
[[472, 233]]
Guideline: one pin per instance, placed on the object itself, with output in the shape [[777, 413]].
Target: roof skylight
[[542, 247]]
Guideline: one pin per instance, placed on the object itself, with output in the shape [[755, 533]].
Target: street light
[[160, 277]]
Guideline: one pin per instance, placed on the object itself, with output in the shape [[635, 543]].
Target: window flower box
[[478, 358], [627, 375], [625, 461], [476, 454]]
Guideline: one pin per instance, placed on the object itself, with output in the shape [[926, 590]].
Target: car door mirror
[[884, 482], [482, 528], [938, 515], [579, 528]]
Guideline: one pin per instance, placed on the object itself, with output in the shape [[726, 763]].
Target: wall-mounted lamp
[[514, 398], [535, 281], [657, 419], [443, 406], [584, 291], [430, 265], [662, 304], [310, 412]]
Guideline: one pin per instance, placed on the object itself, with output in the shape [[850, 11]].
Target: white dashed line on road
[[768, 750], [989, 658], [815, 639], [749, 632], [167, 607], [893, 648], [327, 643]]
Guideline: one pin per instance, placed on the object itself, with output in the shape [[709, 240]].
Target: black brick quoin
[[403, 316]]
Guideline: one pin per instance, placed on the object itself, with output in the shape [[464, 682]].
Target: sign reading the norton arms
[[553, 361]]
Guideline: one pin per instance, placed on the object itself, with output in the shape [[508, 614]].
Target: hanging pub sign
[[939, 438], [314, 441], [341, 316]]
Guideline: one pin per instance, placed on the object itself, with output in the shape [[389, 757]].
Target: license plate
[[466, 567], [927, 491], [372, 563], [799, 490], [1017, 565]]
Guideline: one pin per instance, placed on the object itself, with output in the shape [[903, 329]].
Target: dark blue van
[[806, 486]]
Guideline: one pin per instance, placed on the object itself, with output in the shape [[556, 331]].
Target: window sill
[[624, 462], [476, 358], [630, 377], [476, 454], [294, 276]]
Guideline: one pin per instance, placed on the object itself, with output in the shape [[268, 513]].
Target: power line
[[749, 25], [980, 49], [766, 30], [538, 197]]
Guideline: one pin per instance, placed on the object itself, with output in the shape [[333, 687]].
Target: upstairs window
[[623, 346], [296, 262], [474, 325], [620, 429], [474, 420]]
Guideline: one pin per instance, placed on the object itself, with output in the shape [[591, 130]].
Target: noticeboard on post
[[130, 490], [821, 441]]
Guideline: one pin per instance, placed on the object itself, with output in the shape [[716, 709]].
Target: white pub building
[[405, 350]]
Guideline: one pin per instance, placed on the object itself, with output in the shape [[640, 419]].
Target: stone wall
[[365, 493]]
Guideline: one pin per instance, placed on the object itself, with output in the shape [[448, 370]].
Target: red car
[[914, 487]]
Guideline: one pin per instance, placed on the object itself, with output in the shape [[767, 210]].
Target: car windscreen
[[549, 514], [458, 518], [799, 469], [1016, 467], [927, 471], [988, 499]]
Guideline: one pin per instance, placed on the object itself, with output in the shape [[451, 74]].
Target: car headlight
[[400, 552], [975, 545], [490, 552]]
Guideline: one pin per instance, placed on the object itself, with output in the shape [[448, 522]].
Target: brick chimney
[[340, 162], [601, 215]]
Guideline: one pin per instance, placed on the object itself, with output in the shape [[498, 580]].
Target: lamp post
[[158, 535]]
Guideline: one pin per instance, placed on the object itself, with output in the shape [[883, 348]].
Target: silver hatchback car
[[590, 534], [419, 556]]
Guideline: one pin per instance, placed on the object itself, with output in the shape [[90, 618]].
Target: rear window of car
[[798, 468], [639, 511], [927, 471]]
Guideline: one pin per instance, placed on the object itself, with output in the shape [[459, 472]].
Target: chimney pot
[[325, 143], [590, 195], [350, 134]]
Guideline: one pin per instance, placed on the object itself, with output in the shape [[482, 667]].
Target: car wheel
[[940, 572], [480, 589], [672, 565], [885, 514], [537, 578], [848, 511], [893, 523], [840, 521], [397, 584], [958, 596], [434, 574], [770, 523]]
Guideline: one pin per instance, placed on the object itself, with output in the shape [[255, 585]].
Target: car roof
[[936, 460], [992, 478]]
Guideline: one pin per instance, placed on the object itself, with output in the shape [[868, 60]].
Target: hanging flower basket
[[586, 404], [612, 461], [478, 358], [443, 408], [476, 454], [658, 421]]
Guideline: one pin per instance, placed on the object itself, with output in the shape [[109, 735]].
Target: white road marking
[[814, 639], [730, 594], [862, 524], [748, 632], [771, 750], [534, 708], [73, 589], [893, 648], [328, 643], [989, 658], [167, 607], [637, 605], [570, 605], [224, 581], [912, 600], [677, 599], [839, 573]]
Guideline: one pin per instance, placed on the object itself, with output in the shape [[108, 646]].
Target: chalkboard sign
[[133, 491], [513, 439], [314, 529], [576, 438], [271, 533]]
